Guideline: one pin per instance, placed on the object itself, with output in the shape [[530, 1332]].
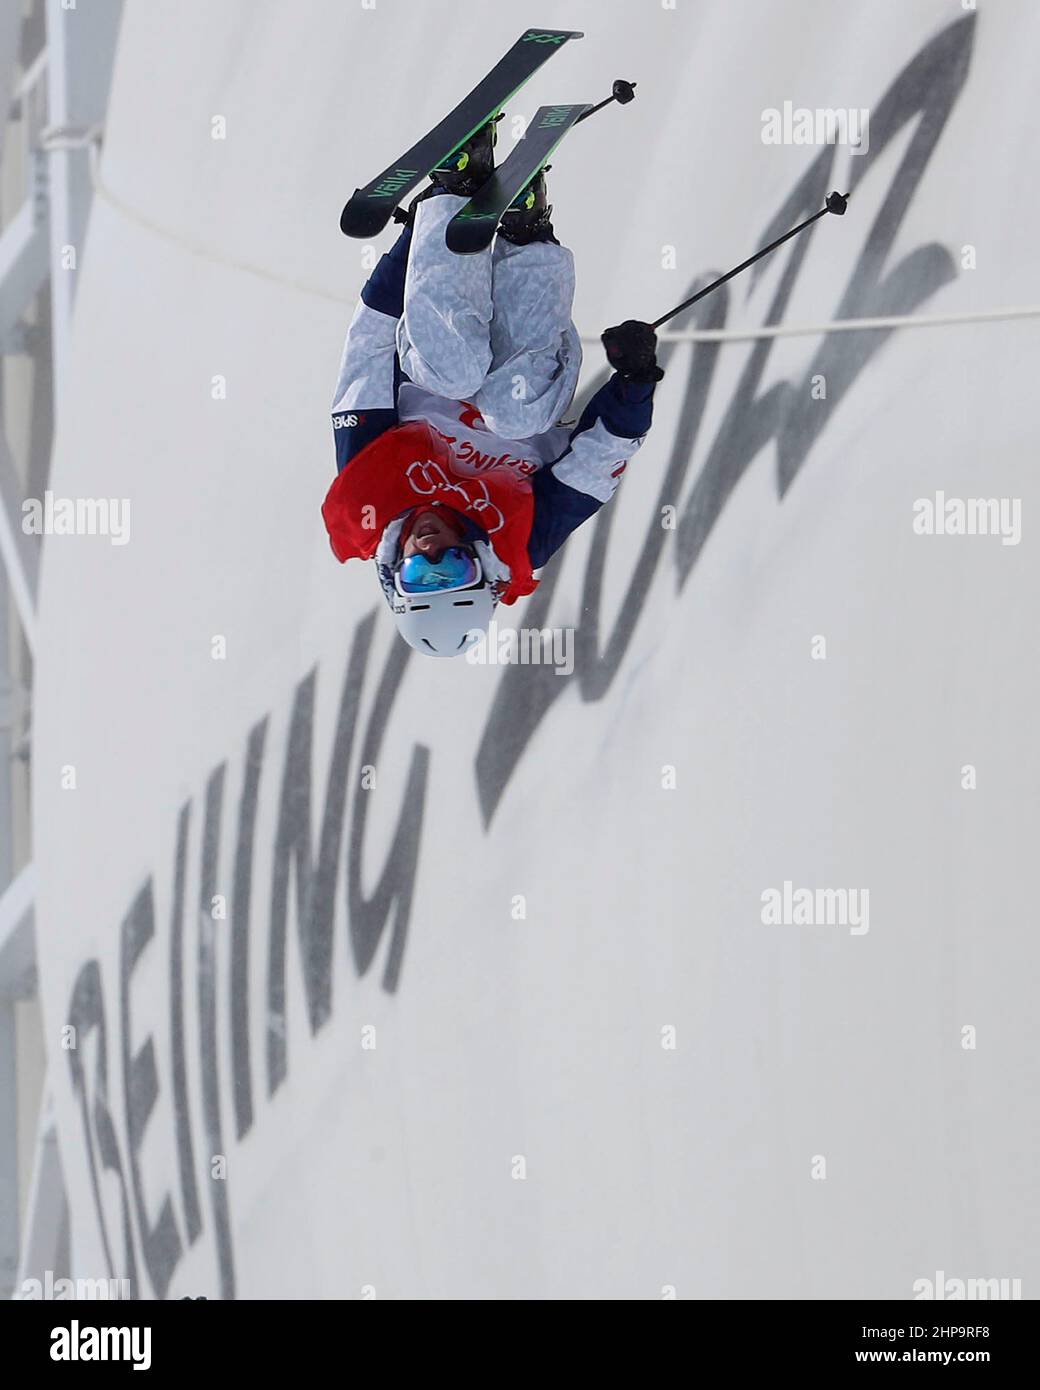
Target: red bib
[[414, 465]]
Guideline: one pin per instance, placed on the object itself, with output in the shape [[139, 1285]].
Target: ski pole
[[622, 92], [836, 203]]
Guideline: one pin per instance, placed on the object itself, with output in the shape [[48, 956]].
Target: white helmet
[[444, 622]]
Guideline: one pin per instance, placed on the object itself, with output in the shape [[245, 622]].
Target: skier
[[454, 473]]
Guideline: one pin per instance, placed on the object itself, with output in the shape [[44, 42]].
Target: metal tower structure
[[56, 59]]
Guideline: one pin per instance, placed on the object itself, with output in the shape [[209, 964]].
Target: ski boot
[[472, 163], [462, 172], [528, 216]]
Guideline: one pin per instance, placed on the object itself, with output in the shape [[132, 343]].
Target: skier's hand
[[631, 350]]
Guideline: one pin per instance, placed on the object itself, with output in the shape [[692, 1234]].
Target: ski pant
[[494, 328]]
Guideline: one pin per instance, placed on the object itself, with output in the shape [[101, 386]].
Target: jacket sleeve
[[365, 401], [566, 493]]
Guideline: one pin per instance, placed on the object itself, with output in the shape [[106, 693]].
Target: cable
[[783, 330], [705, 335], [203, 252]]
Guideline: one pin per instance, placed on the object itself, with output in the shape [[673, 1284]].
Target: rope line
[[795, 330], [209, 253], [700, 335]]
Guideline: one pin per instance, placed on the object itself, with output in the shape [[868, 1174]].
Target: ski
[[473, 227], [370, 208]]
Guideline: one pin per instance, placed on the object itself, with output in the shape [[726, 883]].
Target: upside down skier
[[454, 473]]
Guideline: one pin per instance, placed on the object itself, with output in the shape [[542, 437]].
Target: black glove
[[632, 351]]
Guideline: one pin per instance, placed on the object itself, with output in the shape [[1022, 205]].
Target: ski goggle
[[457, 568]]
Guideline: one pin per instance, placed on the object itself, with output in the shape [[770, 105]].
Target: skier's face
[[432, 531]]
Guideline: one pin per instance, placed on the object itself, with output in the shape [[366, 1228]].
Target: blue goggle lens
[[455, 569]]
